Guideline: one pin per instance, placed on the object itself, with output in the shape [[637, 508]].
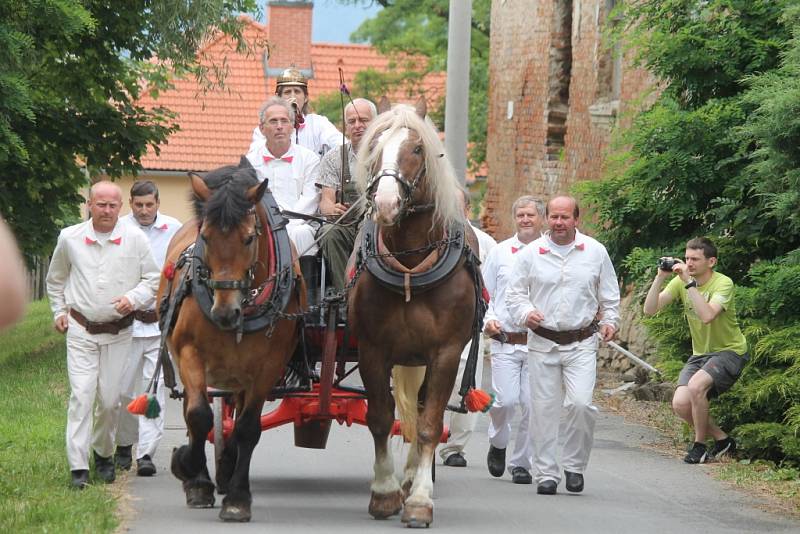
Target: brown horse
[[416, 210], [232, 251]]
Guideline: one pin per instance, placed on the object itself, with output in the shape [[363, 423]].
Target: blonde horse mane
[[441, 178]]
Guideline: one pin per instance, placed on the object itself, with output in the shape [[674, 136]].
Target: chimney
[[289, 35]]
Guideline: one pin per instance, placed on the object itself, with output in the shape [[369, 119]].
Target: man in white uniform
[[312, 131], [292, 171], [510, 375], [159, 229], [102, 270], [561, 285], [463, 424]]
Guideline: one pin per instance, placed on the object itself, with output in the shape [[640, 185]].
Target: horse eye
[[249, 240], [418, 150]]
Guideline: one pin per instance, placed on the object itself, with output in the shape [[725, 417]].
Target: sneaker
[[723, 447], [496, 461], [104, 467], [123, 458], [456, 460], [698, 454], [145, 466], [520, 475]]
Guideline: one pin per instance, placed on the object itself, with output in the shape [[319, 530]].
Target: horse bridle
[[408, 187], [244, 284]]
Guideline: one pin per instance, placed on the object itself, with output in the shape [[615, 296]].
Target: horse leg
[[227, 461], [236, 504], [418, 509], [189, 461], [386, 499]]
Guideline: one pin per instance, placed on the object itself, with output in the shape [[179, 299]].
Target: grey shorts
[[724, 368]]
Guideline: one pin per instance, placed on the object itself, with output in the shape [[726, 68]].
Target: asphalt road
[[629, 488]]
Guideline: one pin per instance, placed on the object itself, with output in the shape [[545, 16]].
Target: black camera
[[666, 264]]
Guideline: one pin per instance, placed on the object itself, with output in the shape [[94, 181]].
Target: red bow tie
[[287, 159], [514, 250]]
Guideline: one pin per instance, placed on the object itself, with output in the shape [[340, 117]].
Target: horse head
[[403, 169], [229, 230]]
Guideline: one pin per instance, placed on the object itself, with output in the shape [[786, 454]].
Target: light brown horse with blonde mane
[[414, 202], [233, 230]]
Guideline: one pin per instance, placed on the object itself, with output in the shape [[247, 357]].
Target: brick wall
[[539, 48], [289, 33]]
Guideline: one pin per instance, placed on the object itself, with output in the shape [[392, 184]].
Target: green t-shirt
[[723, 332]]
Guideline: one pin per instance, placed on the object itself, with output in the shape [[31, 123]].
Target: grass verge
[[34, 475]]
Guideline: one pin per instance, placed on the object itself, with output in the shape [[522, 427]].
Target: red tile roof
[[216, 126]]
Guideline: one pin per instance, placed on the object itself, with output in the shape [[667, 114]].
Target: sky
[[334, 22]]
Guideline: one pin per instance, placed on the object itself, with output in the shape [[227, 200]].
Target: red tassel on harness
[[477, 400], [485, 294], [169, 271], [138, 406]]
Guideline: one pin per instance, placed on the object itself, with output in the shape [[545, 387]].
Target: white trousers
[[512, 388], [303, 236], [563, 378], [95, 374], [462, 425], [141, 365]]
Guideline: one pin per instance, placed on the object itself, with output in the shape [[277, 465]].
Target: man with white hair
[[510, 377], [339, 192], [292, 170], [101, 272]]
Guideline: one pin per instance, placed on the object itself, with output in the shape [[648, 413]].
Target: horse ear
[[244, 163], [255, 193], [421, 107], [199, 186], [384, 105]]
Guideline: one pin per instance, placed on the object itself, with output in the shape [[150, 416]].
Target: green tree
[[70, 75], [405, 29], [717, 155]]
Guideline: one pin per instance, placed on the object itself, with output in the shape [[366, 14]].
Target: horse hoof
[[417, 516], [199, 493], [176, 466], [385, 505], [235, 513]]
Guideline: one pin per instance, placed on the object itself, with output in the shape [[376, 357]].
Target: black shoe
[[80, 479], [145, 466], [548, 487], [104, 467], [455, 460], [520, 475], [123, 458], [723, 447], [496, 461], [698, 454], [574, 481]]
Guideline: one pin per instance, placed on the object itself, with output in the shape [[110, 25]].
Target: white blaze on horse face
[[387, 196]]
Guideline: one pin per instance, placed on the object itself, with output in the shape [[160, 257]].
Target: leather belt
[[512, 338], [565, 337], [145, 316], [111, 327]]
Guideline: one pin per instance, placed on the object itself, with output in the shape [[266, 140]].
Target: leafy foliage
[[70, 75], [718, 154]]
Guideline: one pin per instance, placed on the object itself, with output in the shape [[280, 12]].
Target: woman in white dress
[[312, 131]]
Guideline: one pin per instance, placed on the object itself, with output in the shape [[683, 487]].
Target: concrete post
[[456, 118]]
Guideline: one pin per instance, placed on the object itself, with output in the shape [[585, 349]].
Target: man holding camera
[[719, 349]]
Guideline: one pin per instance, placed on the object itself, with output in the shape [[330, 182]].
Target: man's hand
[[61, 323], [339, 209], [491, 328], [607, 332], [122, 305], [682, 270], [533, 319]]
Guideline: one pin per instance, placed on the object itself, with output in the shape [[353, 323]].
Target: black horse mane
[[228, 205]]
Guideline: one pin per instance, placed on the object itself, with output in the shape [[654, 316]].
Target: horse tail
[[407, 381]]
